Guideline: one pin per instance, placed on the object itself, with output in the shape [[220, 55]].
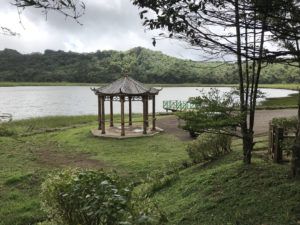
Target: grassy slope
[[222, 192], [228, 192]]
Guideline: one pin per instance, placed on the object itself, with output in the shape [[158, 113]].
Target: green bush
[[209, 146], [6, 130], [89, 197], [286, 122]]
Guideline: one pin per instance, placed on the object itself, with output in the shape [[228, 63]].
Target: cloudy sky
[[107, 24]]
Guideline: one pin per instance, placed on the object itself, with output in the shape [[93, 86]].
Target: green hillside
[[143, 64]]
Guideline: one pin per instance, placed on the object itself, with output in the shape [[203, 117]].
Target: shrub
[[209, 146], [6, 130], [90, 197], [286, 122]]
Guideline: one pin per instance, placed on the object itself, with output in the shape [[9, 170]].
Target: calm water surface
[[26, 102]]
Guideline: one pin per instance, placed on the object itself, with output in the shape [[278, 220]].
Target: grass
[[228, 192], [220, 192], [26, 160], [290, 101]]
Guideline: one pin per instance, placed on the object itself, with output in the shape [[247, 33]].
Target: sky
[[106, 25]]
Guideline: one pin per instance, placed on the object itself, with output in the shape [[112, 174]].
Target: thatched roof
[[125, 85]]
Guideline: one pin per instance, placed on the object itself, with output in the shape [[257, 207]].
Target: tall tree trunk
[[295, 164], [247, 137]]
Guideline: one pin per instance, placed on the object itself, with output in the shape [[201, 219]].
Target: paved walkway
[[262, 118]]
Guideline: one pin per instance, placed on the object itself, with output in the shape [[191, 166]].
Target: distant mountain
[[143, 64]]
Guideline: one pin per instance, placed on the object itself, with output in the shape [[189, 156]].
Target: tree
[[219, 28], [285, 28], [69, 8]]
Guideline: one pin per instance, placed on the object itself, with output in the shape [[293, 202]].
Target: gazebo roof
[[125, 85]]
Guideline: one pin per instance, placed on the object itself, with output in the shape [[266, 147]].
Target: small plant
[[209, 146], [89, 197]]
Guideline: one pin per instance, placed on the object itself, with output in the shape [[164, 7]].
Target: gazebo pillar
[[130, 110], [122, 99], [111, 111], [153, 113], [103, 114], [99, 112], [144, 116], [147, 110]]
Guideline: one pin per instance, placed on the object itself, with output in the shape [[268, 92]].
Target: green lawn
[[221, 192], [25, 160]]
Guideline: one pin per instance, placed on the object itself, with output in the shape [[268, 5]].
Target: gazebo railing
[[176, 105]]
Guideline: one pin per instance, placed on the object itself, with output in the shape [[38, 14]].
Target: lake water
[[26, 102]]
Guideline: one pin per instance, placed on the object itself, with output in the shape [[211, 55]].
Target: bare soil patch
[[53, 158]]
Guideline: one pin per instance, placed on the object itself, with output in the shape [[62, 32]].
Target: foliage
[[213, 111], [209, 146], [93, 197], [143, 64], [286, 122], [6, 130]]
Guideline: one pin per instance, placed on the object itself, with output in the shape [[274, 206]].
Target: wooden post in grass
[[271, 135], [277, 148]]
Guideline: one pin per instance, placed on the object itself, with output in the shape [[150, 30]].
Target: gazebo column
[[103, 114], [130, 110], [111, 112], [153, 113], [99, 112], [144, 116], [147, 110], [122, 99]]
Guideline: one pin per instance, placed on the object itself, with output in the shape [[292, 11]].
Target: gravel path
[[262, 118]]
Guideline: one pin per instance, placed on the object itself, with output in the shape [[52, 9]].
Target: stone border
[[150, 133]]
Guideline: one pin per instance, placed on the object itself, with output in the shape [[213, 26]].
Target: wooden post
[[271, 135], [277, 148], [153, 114], [144, 116], [122, 116], [102, 114], [99, 112], [130, 111], [111, 112], [147, 110]]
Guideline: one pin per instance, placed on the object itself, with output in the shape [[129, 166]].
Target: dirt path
[[262, 118]]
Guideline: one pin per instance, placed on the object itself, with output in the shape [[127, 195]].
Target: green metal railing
[[175, 105]]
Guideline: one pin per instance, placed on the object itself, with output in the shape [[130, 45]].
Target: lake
[[27, 102]]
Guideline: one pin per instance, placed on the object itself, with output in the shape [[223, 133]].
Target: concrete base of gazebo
[[130, 131]]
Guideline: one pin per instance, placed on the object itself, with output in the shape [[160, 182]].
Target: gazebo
[[125, 89]]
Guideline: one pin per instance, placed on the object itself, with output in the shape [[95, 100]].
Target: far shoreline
[[291, 86]]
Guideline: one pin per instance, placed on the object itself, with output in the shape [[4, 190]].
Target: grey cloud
[[106, 24]]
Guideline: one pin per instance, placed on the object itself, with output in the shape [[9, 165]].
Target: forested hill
[[143, 64]]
